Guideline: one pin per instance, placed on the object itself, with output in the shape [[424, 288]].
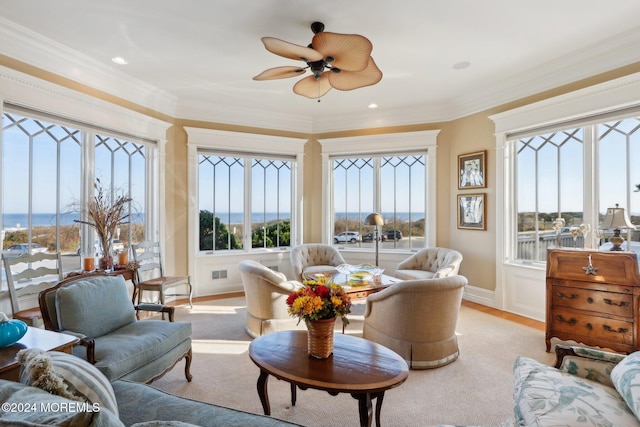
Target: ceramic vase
[[320, 337]]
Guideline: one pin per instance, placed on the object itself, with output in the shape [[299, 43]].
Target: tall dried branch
[[104, 212]]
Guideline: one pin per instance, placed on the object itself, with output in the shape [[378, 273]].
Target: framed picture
[[471, 211], [471, 170]]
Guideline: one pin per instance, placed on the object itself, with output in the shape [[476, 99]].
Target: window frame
[[583, 108], [246, 145], [421, 142], [36, 98]]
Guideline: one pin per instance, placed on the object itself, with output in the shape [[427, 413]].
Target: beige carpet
[[474, 390]]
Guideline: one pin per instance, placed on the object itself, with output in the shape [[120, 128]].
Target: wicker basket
[[320, 338]]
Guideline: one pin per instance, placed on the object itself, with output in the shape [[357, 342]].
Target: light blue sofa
[[138, 404], [98, 310], [586, 387]]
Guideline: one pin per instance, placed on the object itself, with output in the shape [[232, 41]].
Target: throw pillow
[[626, 379], [48, 409], [82, 307], [67, 376]]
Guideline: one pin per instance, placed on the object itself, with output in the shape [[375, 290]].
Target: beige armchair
[[266, 293], [314, 258], [417, 319], [430, 263]]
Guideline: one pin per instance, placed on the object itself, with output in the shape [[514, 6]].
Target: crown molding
[[29, 47], [615, 94], [383, 143], [240, 141], [242, 116], [32, 48], [24, 90], [610, 54]]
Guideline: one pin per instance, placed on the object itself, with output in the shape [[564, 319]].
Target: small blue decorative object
[[11, 330]]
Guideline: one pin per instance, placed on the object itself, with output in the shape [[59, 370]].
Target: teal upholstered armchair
[[98, 310]]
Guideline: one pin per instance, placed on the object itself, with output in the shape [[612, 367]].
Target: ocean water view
[[14, 220]]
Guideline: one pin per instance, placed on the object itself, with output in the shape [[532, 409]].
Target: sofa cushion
[[414, 274], [626, 379], [30, 406], [145, 340], [545, 396], [139, 402], [82, 307], [79, 377]]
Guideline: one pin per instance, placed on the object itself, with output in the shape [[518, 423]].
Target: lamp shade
[[374, 219], [616, 218]]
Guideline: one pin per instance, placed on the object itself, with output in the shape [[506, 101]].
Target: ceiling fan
[[340, 61]]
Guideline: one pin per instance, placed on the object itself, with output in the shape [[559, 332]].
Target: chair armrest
[[586, 362], [90, 344], [159, 308]]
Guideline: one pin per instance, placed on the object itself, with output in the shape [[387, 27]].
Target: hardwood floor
[[506, 315]]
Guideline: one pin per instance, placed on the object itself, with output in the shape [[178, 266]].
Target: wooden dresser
[[593, 298]]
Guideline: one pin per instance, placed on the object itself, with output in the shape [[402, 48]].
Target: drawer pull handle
[[565, 296], [619, 331], [590, 300], [589, 326], [563, 320], [619, 304]]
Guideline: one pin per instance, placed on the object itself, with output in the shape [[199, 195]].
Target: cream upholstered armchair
[[266, 292], [430, 263], [314, 258], [417, 319]]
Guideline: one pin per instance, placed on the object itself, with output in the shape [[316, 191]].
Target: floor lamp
[[376, 220]]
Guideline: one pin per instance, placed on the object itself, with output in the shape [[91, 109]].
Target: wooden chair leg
[[187, 366]]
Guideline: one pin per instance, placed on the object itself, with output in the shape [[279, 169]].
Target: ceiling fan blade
[[280, 73], [290, 50], [312, 88], [351, 52], [347, 80]]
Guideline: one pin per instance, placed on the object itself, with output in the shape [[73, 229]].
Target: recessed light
[[119, 60], [461, 65], [372, 105]]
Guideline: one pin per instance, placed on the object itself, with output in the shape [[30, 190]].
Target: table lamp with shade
[[617, 219], [376, 220]]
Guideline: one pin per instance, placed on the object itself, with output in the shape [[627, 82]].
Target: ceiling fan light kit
[[339, 61]]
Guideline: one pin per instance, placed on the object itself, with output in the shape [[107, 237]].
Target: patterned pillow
[[626, 379], [66, 375]]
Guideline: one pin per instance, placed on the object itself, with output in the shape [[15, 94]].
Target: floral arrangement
[[319, 299]]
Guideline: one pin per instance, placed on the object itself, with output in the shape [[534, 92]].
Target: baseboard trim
[[480, 296]]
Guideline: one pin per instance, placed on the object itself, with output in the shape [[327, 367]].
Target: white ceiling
[[195, 59]]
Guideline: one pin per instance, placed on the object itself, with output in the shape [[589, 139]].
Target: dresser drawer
[[585, 299], [617, 331]]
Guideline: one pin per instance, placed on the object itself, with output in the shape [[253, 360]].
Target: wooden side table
[[34, 338]]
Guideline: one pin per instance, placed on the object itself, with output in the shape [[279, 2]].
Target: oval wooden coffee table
[[357, 366]]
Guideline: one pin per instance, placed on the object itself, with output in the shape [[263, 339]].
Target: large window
[[391, 174], [241, 192], [394, 186], [49, 166], [574, 174], [248, 192]]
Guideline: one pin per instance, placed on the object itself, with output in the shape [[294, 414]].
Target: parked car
[[369, 237], [393, 234], [347, 237], [22, 248], [116, 246]]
